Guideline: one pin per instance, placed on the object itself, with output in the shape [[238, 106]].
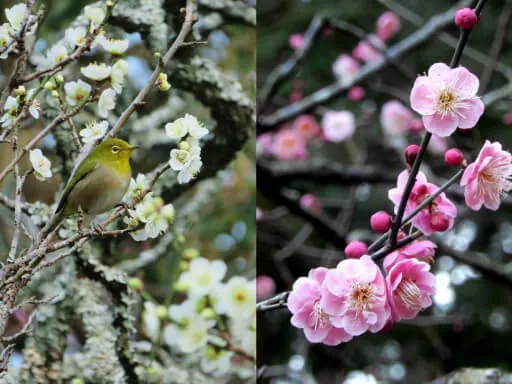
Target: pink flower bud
[[465, 18], [296, 41], [387, 25], [356, 93], [454, 157], [265, 287], [380, 222], [356, 249], [507, 118], [411, 152]]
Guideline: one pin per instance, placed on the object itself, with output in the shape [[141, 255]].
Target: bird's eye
[[115, 149]]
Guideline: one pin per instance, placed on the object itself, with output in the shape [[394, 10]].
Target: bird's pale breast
[[100, 191]]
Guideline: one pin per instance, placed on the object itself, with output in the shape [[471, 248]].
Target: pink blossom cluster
[[289, 142], [334, 305]]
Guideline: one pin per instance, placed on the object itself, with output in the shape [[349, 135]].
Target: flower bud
[[136, 284], [310, 202], [55, 94], [208, 314], [109, 4], [20, 91], [168, 212], [77, 381], [356, 249], [190, 253], [454, 157], [181, 286], [49, 86], [507, 118], [180, 239], [161, 312], [158, 54], [466, 18], [380, 222], [59, 79], [411, 152], [183, 265], [356, 93]]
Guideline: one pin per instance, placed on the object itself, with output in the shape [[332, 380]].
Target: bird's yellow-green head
[[113, 152]]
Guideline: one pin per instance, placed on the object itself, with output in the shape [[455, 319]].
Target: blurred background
[[469, 324]]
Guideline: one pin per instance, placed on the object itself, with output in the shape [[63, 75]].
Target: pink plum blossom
[[304, 302], [410, 285], [289, 145], [306, 126], [437, 145], [264, 143], [338, 125], [387, 25], [296, 41], [369, 50], [446, 99], [487, 177], [395, 118], [355, 296], [423, 250], [345, 68], [438, 216]]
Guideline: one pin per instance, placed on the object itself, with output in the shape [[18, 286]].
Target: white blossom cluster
[[151, 211], [213, 309], [186, 159], [14, 104], [8, 31]]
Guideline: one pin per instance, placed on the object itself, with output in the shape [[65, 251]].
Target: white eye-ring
[[115, 149]]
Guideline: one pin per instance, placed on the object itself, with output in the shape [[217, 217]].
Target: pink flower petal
[[441, 125], [466, 83], [422, 96], [469, 116]]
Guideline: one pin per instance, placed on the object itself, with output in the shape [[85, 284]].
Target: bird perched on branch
[[97, 184]]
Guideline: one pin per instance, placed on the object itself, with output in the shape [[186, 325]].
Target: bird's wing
[[86, 167]]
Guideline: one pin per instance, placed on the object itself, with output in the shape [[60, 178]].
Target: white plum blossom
[[137, 186], [118, 74], [11, 111], [154, 214], [107, 102], [93, 131], [190, 170], [151, 320], [34, 106], [195, 128], [56, 54], [237, 296], [190, 337], [114, 46], [5, 39], [95, 15], [41, 165], [179, 158], [216, 362], [76, 91], [15, 16], [96, 71], [203, 276], [177, 129], [75, 36]]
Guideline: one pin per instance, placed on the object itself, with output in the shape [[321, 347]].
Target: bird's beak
[[134, 147]]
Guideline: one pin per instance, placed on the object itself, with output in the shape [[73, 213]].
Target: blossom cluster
[[186, 159], [214, 317], [334, 305], [9, 30]]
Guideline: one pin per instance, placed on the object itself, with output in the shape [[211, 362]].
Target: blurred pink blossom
[[304, 302], [289, 145], [368, 50], [306, 126], [356, 93], [410, 285], [345, 68], [416, 126], [387, 25], [338, 126], [296, 41], [487, 177], [446, 98], [264, 143], [507, 118], [265, 287], [395, 118], [423, 250], [355, 296], [437, 145], [438, 216], [310, 202]]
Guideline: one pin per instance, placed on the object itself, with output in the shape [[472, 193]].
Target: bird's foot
[[97, 229]]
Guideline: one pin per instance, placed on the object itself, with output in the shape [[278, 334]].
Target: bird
[[97, 184]]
